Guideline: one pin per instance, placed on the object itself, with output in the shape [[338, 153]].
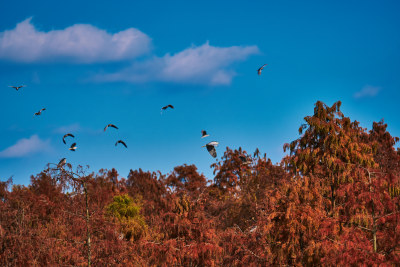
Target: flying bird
[[121, 142], [165, 107], [260, 69], [110, 125], [73, 147], [17, 87], [61, 164], [39, 112], [211, 148], [204, 134], [66, 135]]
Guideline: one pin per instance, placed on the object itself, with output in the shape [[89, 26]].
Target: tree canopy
[[333, 200]]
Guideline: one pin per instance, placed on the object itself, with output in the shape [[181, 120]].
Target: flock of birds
[[211, 146]]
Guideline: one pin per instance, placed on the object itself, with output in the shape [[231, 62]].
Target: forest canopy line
[[333, 200]]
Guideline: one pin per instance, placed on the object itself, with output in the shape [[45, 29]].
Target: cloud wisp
[[79, 43], [368, 91], [203, 64], [67, 129], [25, 147]]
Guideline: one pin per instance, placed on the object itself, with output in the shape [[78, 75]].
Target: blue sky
[[92, 63]]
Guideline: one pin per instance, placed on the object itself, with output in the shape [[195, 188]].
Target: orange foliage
[[334, 200]]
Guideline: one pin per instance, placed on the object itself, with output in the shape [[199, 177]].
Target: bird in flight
[[165, 107], [73, 147], [66, 135], [204, 134], [39, 112], [121, 142], [17, 87], [61, 164], [260, 69], [110, 125], [211, 148]]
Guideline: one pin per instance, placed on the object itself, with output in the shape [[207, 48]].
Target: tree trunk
[[373, 214], [333, 200], [88, 241], [374, 235]]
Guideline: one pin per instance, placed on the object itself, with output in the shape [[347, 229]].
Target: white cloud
[[25, 147], [79, 43], [367, 91], [84, 43], [204, 64]]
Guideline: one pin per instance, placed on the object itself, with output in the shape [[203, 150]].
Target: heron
[[165, 107], [245, 160], [17, 87], [121, 142], [39, 112], [66, 135], [73, 147], [204, 134], [61, 164], [110, 125], [211, 148], [260, 69]]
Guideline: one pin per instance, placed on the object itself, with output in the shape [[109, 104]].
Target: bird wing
[[66, 135], [121, 142], [211, 149], [171, 106], [73, 145], [112, 125], [204, 134], [62, 162], [261, 68], [213, 143]]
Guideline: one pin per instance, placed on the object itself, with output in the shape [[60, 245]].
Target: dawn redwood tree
[[181, 233], [369, 206], [236, 190], [186, 179], [372, 202], [86, 217], [35, 226], [229, 171], [329, 147], [385, 154], [151, 188], [78, 181], [288, 228]]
